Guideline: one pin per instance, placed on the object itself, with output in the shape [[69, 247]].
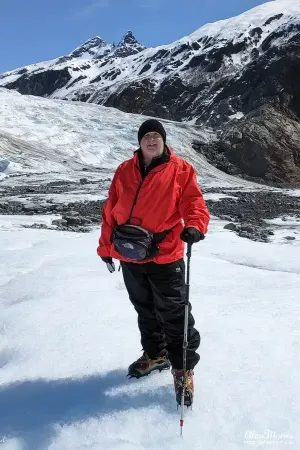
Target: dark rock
[[215, 154], [249, 211], [231, 226], [257, 31], [73, 220], [265, 145], [145, 68], [247, 228], [271, 19], [83, 97], [42, 83], [81, 77]]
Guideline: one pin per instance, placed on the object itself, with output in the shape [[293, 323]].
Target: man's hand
[[191, 235], [109, 262]]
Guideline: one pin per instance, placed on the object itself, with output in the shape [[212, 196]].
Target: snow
[[58, 139], [69, 332], [238, 115], [255, 17], [285, 228], [287, 220], [8, 222], [218, 196], [293, 192]]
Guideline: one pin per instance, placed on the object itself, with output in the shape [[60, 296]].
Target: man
[[156, 191]]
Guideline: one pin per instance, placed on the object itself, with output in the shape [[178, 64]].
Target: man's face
[[152, 145]]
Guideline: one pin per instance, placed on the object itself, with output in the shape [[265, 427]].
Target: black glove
[[109, 262], [191, 235]]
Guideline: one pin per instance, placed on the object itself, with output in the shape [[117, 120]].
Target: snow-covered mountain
[[184, 80], [97, 48], [46, 78], [240, 76]]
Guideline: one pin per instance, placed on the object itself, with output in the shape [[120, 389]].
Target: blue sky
[[35, 30]]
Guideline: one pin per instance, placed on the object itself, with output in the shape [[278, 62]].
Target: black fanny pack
[[135, 243]]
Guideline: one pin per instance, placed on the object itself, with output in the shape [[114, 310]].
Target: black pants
[[157, 291]]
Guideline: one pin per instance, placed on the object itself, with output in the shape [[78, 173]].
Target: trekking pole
[[185, 334]]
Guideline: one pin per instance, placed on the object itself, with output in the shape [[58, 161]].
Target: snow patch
[[238, 115]]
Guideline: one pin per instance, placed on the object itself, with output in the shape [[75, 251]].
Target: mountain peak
[[129, 38], [96, 47], [128, 46], [92, 48]]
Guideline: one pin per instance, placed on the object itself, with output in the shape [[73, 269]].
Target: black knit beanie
[[149, 126]]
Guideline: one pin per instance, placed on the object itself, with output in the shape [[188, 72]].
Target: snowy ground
[[68, 333], [286, 227]]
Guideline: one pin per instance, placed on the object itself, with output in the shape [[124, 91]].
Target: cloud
[[88, 10]]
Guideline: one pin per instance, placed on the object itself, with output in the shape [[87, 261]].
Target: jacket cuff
[[102, 251]]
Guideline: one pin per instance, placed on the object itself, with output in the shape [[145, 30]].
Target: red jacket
[[168, 194]]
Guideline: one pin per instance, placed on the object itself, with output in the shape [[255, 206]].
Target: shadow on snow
[[29, 410]]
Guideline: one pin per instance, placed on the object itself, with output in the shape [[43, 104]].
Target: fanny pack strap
[[134, 201], [157, 236]]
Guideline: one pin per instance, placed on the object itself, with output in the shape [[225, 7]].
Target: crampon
[[145, 365]]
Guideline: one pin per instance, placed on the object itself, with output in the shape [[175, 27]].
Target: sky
[[33, 31]]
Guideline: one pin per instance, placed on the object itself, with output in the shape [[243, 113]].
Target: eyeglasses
[[154, 136]]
